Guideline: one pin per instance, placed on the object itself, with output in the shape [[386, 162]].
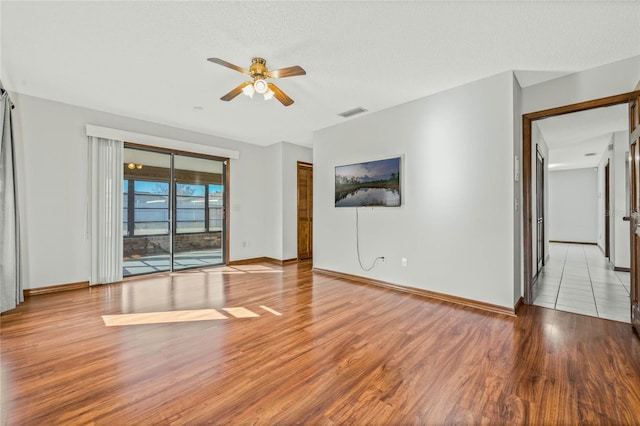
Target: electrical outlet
[[403, 261]]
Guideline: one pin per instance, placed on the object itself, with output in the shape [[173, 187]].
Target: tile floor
[[161, 263], [577, 278]]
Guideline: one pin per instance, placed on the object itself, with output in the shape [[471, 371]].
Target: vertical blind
[[106, 210]]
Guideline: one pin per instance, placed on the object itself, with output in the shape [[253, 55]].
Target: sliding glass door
[[173, 211], [199, 208], [146, 245]]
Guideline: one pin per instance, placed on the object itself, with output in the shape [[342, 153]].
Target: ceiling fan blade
[[228, 65], [280, 95], [235, 92], [287, 72]]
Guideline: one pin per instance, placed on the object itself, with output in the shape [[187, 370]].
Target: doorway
[[174, 215], [527, 167], [528, 119], [305, 210]]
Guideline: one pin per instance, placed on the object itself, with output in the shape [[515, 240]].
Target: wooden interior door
[[305, 210], [540, 210], [634, 151]]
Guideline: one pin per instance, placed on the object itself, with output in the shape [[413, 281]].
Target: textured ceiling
[[147, 60], [570, 137]]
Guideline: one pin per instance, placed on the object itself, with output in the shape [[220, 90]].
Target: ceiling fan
[[259, 73]]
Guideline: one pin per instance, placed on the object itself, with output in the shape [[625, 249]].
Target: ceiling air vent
[[352, 112], [590, 154]]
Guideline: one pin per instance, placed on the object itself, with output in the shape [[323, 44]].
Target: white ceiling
[[147, 60], [570, 137]]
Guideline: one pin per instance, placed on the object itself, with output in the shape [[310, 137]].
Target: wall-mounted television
[[369, 184]]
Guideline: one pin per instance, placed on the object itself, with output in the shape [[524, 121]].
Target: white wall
[[518, 231], [53, 194], [272, 208], [622, 244], [599, 82], [573, 205], [456, 224]]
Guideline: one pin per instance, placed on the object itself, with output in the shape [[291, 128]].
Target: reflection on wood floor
[[181, 316], [340, 353], [162, 317]]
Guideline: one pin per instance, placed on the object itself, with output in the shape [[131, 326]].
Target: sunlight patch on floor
[[241, 312], [181, 316], [162, 317]]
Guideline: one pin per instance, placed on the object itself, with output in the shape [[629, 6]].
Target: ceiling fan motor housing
[[258, 68]]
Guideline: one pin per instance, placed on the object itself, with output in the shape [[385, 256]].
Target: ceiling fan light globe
[[268, 95], [248, 90], [260, 86]]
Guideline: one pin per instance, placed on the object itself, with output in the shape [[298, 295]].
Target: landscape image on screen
[[374, 183]]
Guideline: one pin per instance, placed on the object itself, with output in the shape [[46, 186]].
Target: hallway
[[578, 279]]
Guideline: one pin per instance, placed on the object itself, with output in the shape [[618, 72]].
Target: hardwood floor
[[340, 353]]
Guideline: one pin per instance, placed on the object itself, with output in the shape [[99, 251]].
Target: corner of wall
[[518, 261], [271, 181]]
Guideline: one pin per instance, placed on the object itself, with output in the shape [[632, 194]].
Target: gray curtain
[[10, 279]]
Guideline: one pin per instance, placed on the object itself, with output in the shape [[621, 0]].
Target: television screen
[[373, 184]]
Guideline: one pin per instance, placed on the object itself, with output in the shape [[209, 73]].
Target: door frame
[[540, 205], [607, 215], [527, 120]]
